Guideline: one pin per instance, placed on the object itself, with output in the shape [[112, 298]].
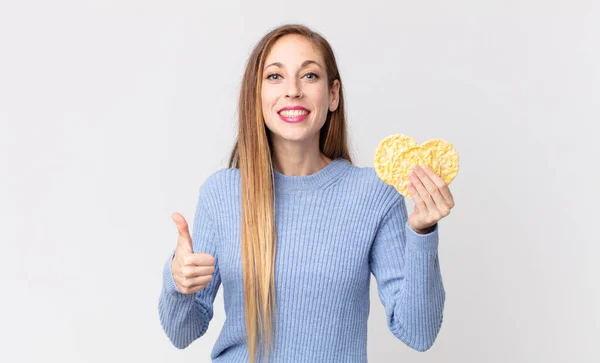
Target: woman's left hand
[[432, 198]]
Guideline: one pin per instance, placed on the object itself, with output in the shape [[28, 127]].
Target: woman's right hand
[[191, 271]]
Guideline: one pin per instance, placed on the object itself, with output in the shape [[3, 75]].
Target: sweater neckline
[[327, 174]]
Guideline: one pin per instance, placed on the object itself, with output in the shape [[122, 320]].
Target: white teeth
[[293, 113]]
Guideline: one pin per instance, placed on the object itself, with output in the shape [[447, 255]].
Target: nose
[[293, 90], [294, 95]]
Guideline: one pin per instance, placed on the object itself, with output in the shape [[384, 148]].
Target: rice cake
[[396, 155], [387, 149], [447, 158]]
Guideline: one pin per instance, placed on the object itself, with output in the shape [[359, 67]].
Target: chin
[[293, 132], [292, 135]]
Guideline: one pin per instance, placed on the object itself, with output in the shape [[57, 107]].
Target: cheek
[[269, 98], [323, 97]]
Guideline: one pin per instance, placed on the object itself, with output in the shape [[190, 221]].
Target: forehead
[[292, 50]]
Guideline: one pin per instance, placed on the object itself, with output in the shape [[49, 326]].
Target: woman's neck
[[299, 163]]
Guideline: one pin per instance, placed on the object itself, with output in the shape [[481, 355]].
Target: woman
[[292, 229]]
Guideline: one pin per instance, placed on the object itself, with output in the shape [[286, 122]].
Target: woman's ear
[[334, 95]]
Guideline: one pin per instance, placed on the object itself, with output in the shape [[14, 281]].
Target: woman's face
[[295, 76]]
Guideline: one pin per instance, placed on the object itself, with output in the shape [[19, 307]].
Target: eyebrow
[[304, 64]]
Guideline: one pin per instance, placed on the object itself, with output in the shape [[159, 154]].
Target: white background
[[113, 113]]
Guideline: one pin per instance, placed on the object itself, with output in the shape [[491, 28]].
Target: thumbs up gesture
[[191, 271]]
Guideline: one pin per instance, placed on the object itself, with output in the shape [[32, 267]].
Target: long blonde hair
[[252, 154]]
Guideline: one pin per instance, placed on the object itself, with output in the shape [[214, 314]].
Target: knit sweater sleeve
[[406, 267], [185, 318]]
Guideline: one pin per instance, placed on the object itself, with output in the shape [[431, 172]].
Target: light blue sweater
[[334, 228]]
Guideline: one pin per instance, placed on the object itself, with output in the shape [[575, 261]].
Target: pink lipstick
[[293, 114]]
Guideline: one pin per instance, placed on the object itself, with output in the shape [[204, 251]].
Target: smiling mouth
[[294, 113]]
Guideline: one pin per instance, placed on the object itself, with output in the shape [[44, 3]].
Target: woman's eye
[[276, 76], [313, 75]]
